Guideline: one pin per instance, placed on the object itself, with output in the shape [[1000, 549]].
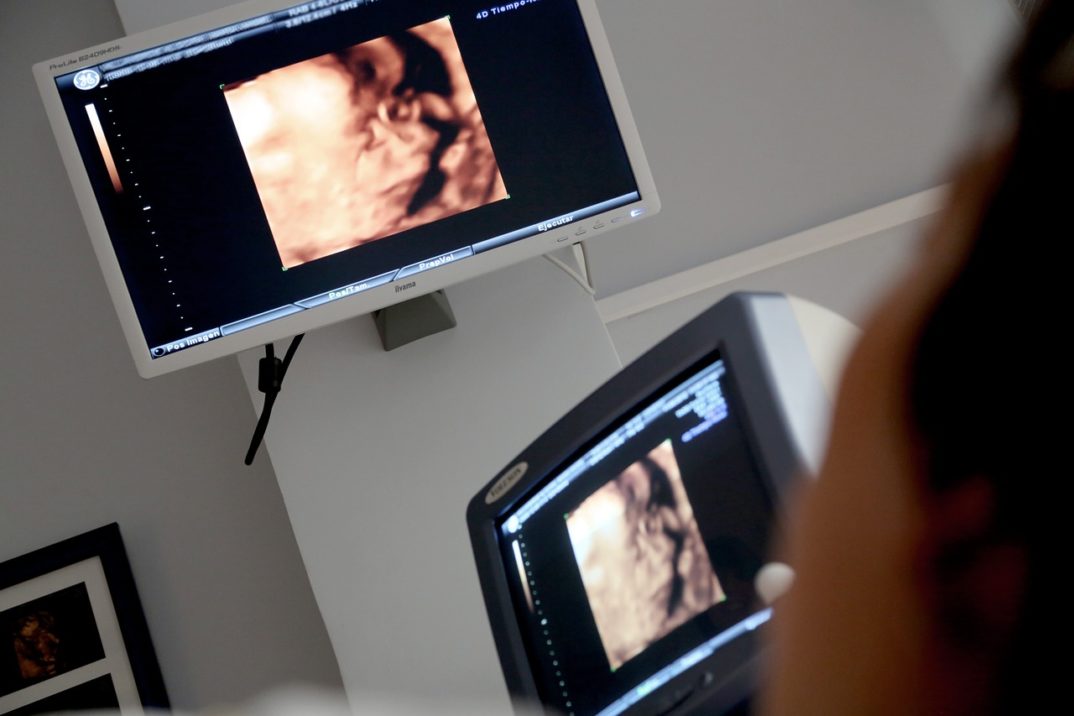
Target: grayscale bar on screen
[[260, 318], [555, 222]]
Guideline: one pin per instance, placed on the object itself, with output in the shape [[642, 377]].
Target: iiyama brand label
[[508, 480], [406, 286]]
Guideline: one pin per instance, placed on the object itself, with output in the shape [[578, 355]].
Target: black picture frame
[[73, 635]]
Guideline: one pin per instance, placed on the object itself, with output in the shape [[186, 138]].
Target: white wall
[[765, 118], [86, 442], [848, 279]]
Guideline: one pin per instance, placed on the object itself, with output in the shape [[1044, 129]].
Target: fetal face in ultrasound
[[356, 145], [644, 566]]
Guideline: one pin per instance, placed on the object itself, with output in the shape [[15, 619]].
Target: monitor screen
[[637, 560], [268, 169], [618, 552]]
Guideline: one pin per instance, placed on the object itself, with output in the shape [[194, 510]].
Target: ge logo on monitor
[[87, 79]]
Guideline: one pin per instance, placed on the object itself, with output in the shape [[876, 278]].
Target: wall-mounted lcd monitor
[[271, 168], [617, 554]]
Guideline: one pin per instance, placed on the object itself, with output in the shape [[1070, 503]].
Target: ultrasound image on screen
[[356, 145], [641, 556]]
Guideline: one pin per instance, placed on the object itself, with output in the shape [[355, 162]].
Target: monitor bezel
[[755, 368], [352, 306]]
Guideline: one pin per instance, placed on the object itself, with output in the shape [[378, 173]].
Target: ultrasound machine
[[618, 553]]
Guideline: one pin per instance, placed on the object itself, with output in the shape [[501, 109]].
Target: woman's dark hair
[[990, 382]]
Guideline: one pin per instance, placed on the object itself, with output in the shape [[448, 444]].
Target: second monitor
[[618, 552]]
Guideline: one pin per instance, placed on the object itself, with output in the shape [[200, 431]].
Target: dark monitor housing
[[277, 166], [617, 554]]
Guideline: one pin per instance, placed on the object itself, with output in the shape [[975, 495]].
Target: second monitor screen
[[643, 548]]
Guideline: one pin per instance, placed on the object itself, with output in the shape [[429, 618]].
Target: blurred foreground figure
[[928, 554]]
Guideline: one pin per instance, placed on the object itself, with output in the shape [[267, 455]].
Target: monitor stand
[[408, 321], [377, 453], [425, 315]]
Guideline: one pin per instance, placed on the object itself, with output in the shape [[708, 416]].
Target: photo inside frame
[[356, 145], [47, 637]]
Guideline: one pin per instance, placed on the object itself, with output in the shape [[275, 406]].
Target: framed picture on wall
[[72, 632]]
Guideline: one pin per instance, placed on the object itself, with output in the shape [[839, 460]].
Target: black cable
[[270, 373], [290, 354]]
